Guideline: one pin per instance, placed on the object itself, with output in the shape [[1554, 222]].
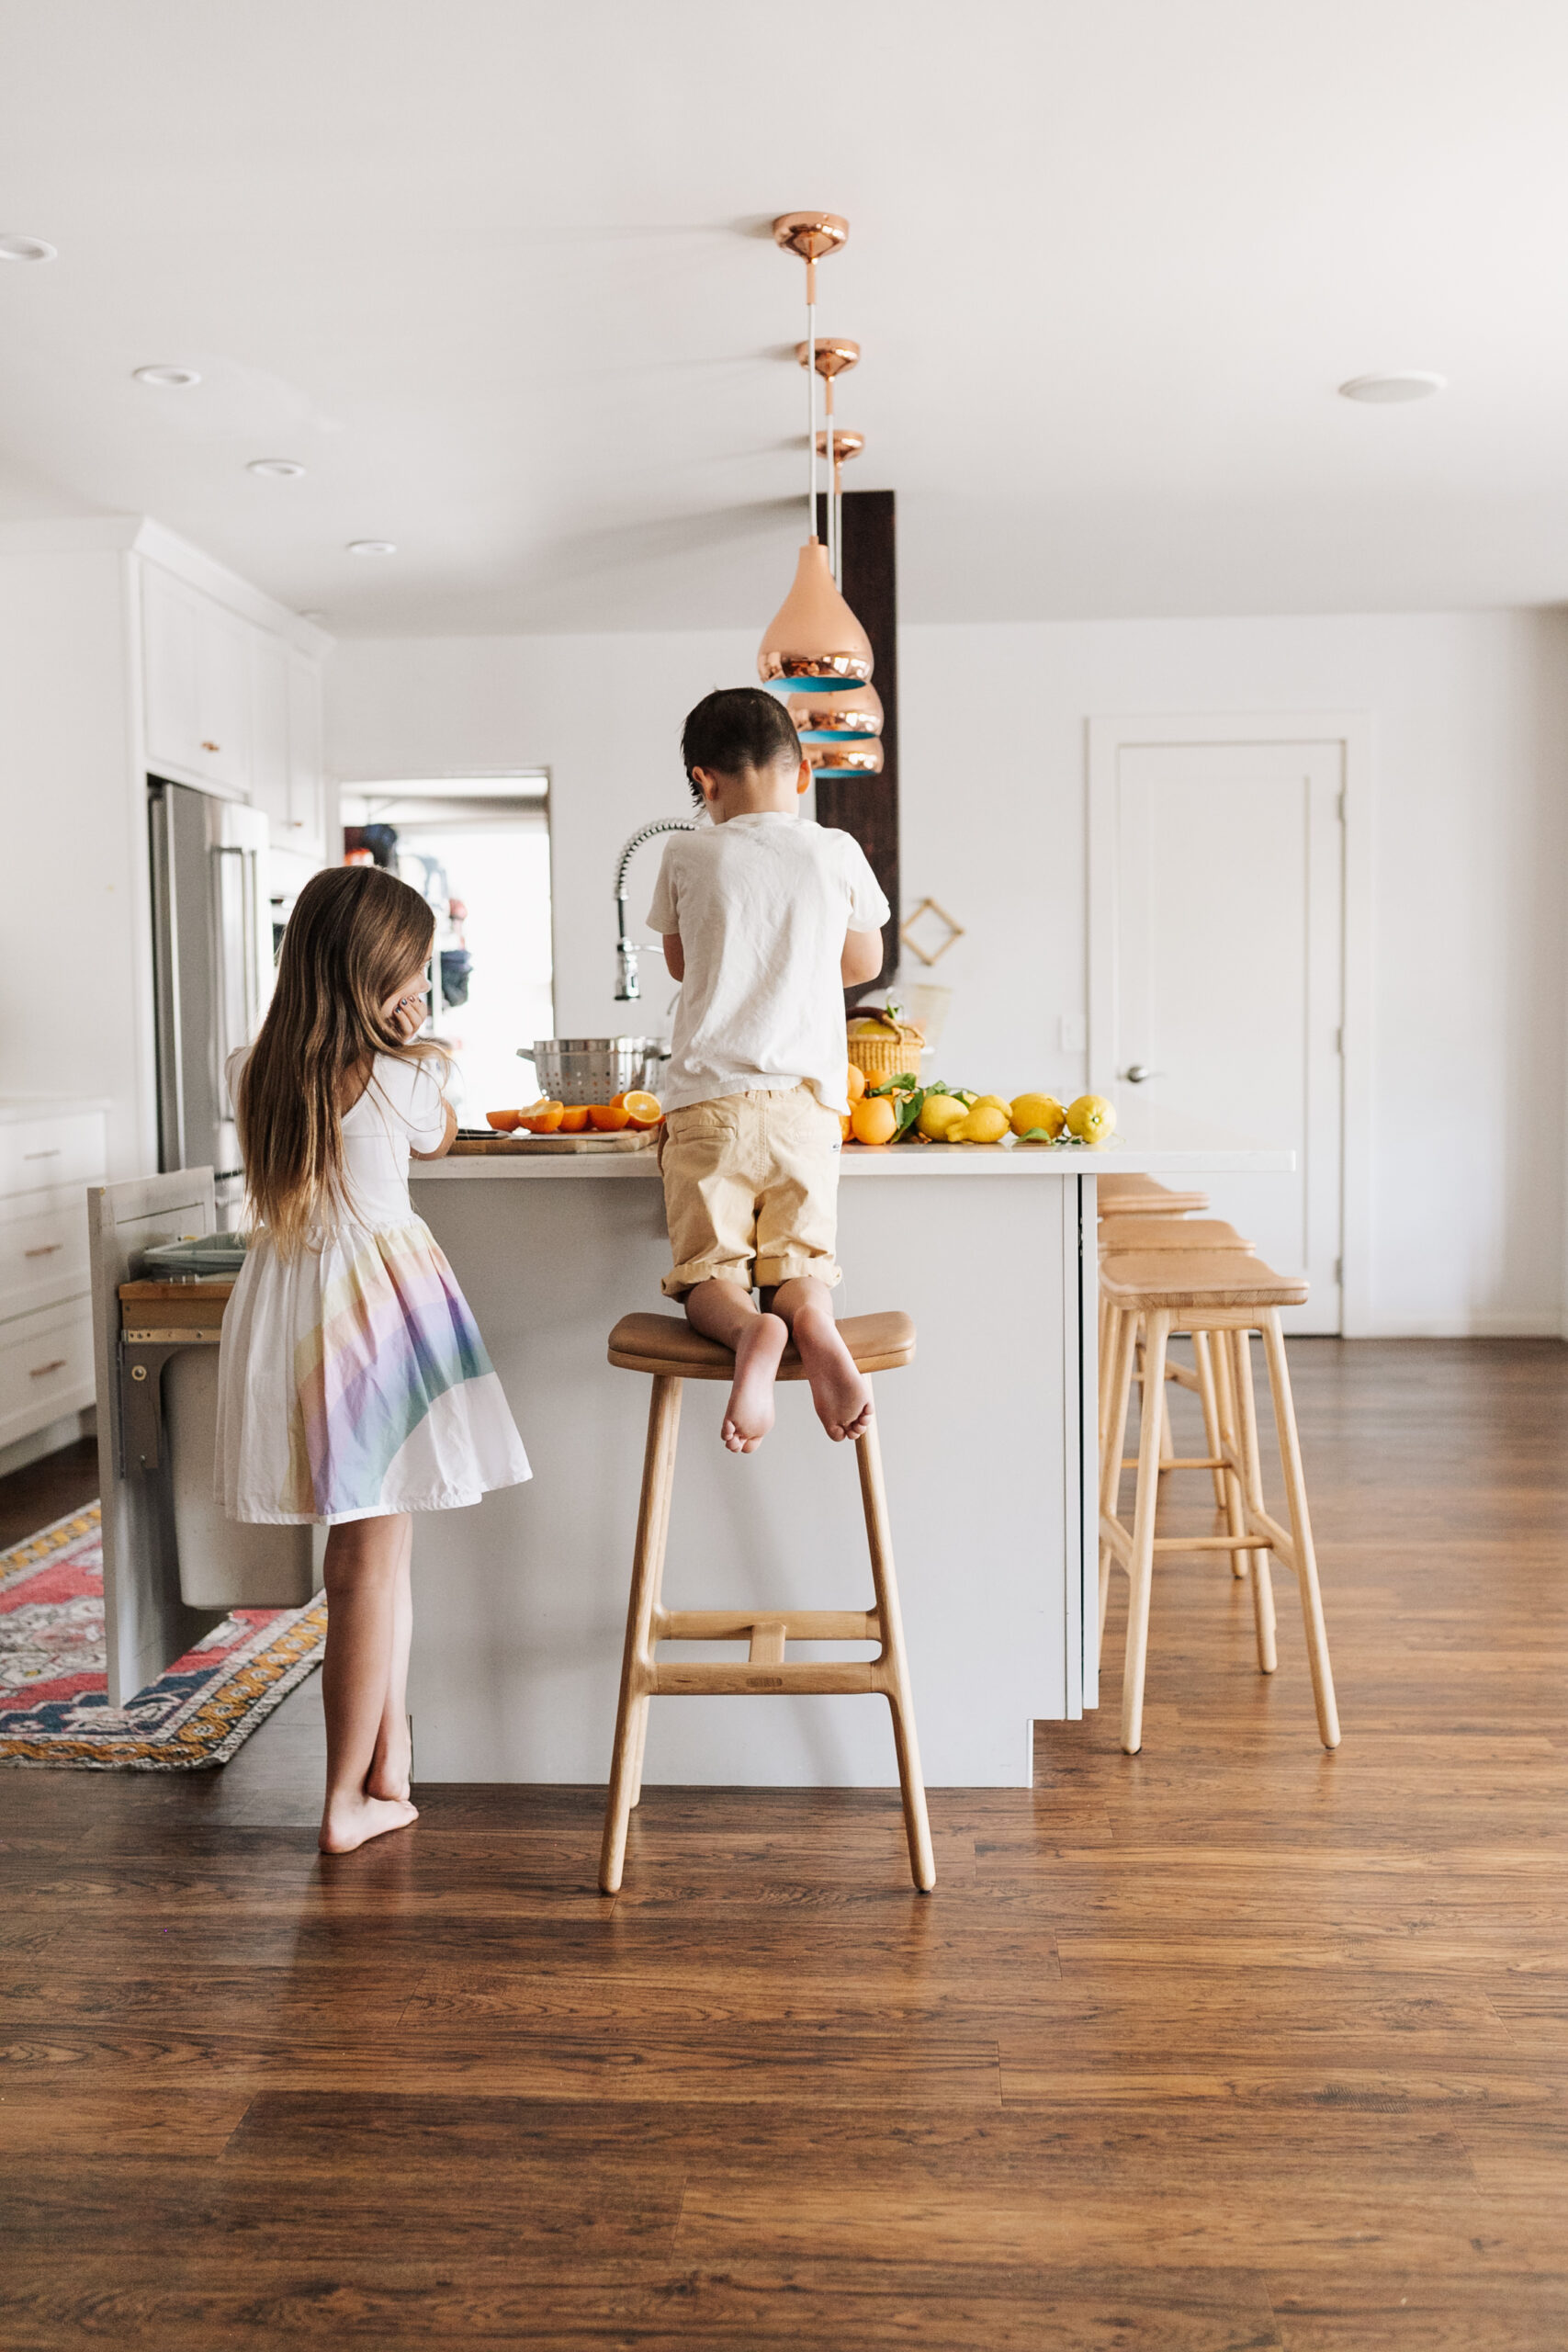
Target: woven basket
[[886, 1057]]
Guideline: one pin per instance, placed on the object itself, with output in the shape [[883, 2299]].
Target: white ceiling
[[498, 272]]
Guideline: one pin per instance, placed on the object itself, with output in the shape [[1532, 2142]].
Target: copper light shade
[[814, 635], [861, 758], [850, 713], [835, 353], [810, 235], [847, 444]]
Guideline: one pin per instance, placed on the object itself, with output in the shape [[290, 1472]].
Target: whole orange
[[874, 1119], [857, 1082], [608, 1117]]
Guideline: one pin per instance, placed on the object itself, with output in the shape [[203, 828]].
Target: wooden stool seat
[[667, 1346], [1142, 1281], [1127, 1234], [1142, 1196], [1221, 1297], [1182, 1234], [672, 1353]]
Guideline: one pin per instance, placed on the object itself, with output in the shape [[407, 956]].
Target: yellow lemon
[[1030, 1111], [987, 1122], [992, 1102], [1091, 1118], [938, 1114]]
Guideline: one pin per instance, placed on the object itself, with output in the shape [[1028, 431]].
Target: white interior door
[[1225, 897]]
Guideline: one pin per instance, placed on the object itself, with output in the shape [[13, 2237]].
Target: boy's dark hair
[[735, 728]]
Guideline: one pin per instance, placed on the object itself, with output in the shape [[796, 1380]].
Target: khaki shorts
[[751, 1190]]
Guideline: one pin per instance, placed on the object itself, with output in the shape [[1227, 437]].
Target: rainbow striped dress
[[351, 1378]]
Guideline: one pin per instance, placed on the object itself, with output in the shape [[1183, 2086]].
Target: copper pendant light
[[814, 644]]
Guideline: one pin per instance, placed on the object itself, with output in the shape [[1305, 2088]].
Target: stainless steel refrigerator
[[212, 964]]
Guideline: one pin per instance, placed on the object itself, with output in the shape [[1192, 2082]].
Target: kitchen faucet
[[628, 950]]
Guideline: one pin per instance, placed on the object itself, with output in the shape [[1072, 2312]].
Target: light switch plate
[[1075, 1033]]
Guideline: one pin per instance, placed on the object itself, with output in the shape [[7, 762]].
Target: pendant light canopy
[[813, 647]]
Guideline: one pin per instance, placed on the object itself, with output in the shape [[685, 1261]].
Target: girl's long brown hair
[[356, 934]]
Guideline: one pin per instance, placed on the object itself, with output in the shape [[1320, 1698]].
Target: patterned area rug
[[55, 1705]]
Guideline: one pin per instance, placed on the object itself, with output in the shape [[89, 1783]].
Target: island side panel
[[520, 1602]]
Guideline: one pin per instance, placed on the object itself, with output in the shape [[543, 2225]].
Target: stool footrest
[[740, 1625], [695, 1679]]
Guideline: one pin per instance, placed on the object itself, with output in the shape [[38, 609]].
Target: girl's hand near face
[[405, 1012]]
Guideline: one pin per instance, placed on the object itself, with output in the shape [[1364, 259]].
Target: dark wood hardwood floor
[[1230, 2044]]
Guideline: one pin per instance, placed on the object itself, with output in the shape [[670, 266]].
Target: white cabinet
[[270, 748], [195, 678], [307, 809], [48, 1156], [234, 708]]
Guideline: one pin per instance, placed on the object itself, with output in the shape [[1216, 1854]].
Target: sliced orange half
[[642, 1110], [608, 1117]]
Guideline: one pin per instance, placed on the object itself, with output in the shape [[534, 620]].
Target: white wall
[[1472, 774]]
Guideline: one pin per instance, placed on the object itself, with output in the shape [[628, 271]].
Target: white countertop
[[1151, 1143]]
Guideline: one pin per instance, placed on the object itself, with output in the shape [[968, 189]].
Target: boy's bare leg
[[725, 1311], [841, 1397], [363, 1560]]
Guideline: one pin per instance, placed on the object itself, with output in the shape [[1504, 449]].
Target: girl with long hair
[[354, 1387]]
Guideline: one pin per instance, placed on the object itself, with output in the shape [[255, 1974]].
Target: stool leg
[[1167, 1442], [1204, 1365], [648, 1569], [1301, 1530], [1123, 1329], [660, 1538], [1157, 1330], [1252, 1489], [896, 1665]]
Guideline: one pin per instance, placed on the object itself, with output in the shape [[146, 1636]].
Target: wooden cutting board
[[497, 1145]]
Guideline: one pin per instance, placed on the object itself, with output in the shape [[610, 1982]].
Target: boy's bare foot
[[349, 1822], [838, 1390], [749, 1416], [391, 1767]]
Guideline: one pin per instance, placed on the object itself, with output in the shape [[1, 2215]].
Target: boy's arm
[[862, 958], [675, 955]]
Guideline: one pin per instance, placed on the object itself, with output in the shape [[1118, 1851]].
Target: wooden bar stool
[[672, 1352], [1141, 1196], [1138, 1233], [1227, 1297]]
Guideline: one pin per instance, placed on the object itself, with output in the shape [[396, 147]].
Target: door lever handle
[[1136, 1073]]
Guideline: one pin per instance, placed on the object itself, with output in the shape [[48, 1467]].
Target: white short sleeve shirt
[[401, 1107], [761, 904]]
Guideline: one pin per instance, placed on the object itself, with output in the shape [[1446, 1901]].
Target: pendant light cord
[[811, 398]]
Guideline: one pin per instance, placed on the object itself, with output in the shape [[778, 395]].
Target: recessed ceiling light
[[372, 546], [13, 248], [275, 469], [1412, 384], [167, 380]]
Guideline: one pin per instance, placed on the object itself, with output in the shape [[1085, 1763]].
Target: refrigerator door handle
[[166, 967], [233, 937]]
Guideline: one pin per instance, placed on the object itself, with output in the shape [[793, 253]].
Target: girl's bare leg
[[362, 1567], [390, 1765]]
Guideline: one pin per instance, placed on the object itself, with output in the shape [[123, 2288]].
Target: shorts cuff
[[682, 1278], [792, 1266]]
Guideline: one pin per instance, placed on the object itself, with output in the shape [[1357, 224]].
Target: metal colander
[[595, 1069]]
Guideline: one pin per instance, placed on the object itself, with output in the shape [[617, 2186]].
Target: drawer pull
[[54, 1153], [44, 1249], [39, 1370], [211, 747]]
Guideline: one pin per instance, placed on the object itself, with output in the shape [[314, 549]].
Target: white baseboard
[[48, 1439], [1543, 1323]]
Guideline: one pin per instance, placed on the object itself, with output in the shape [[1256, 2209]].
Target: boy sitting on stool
[[766, 919]]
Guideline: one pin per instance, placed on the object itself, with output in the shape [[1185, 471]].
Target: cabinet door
[[169, 655], [306, 817], [223, 696], [270, 767]]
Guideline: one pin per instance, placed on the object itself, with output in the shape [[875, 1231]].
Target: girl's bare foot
[[749, 1416], [840, 1394], [349, 1822]]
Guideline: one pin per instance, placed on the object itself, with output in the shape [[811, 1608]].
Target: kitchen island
[[988, 1438]]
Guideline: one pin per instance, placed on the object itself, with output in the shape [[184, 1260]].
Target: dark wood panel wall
[[867, 807]]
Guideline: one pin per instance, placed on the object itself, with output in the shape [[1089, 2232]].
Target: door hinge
[[1339, 807], [1340, 1041], [1339, 1270]]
